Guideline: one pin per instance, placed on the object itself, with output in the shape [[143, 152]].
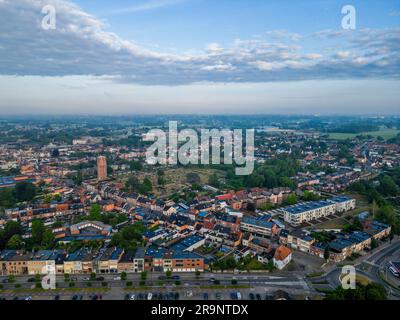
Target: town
[[81, 200]]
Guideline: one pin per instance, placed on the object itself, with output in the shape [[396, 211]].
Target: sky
[[199, 57]]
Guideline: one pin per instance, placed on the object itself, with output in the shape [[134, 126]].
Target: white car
[[239, 295], [28, 298], [132, 297], [117, 278], [149, 296], [393, 271]]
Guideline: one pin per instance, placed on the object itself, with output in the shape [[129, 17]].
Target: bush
[[142, 283], [89, 284], [17, 285], [129, 283], [104, 284], [234, 281], [177, 282], [71, 284]]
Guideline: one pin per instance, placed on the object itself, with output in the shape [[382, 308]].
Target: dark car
[[176, 296], [258, 296], [57, 297], [162, 278], [175, 277], [95, 297], [100, 279], [233, 296], [205, 296], [171, 296], [127, 297], [140, 296], [252, 297], [74, 297]]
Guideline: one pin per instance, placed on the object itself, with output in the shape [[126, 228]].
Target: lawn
[[384, 133]]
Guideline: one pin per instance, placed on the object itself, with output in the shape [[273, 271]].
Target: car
[[149, 296], [117, 278], [28, 298], [86, 279], [74, 297], [95, 297], [205, 296], [100, 297], [100, 279], [233, 296], [218, 296], [175, 277], [57, 297], [155, 296], [15, 298], [127, 297], [162, 278], [239, 295], [393, 271], [189, 293], [176, 296], [252, 297], [140, 296], [80, 297], [6, 281], [171, 296], [132, 297], [258, 296]]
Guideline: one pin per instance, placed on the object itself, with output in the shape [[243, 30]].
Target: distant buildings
[[101, 168]]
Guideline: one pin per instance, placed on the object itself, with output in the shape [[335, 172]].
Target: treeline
[[371, 291], [41, 236], [378, 195], [23, 191], [271, 174]]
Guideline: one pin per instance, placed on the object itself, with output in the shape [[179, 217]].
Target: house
[[282, 257]]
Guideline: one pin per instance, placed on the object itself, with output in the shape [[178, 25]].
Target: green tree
[[95, 212], [24, 191], [291, 199], [146, 187], [38, 230], [15, 242], [48, 239]]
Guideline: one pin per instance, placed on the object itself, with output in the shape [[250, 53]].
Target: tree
[[374, 243], [143, 275], [136, 166], [192, 177], [291, 199], [132, 184], [15, 242], [123, 275], [95, 212], [326, 253], [48, 239], [168, 273], [38, 230], [146, 187], [24, 191]]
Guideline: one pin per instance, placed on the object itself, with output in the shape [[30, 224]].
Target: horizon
[[199, 56]]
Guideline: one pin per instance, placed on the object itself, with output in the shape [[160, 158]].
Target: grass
[[315, 274], [233, 286], [384, 133]]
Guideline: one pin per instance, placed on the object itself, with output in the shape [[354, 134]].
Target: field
[[384, 133]]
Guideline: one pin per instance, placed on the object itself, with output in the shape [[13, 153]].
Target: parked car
[[132, 297], [149, 296], [205, 296], [393, 271], [57, 297]]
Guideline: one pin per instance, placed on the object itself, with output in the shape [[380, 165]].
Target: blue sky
[[200, 56]]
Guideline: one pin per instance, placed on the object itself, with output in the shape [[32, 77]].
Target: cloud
[[146, 6], [81, 46]]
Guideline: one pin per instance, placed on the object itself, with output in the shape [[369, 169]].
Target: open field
[[384, 133]]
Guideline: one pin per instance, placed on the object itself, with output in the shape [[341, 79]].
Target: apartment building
[[258, 226], [300, 213]]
